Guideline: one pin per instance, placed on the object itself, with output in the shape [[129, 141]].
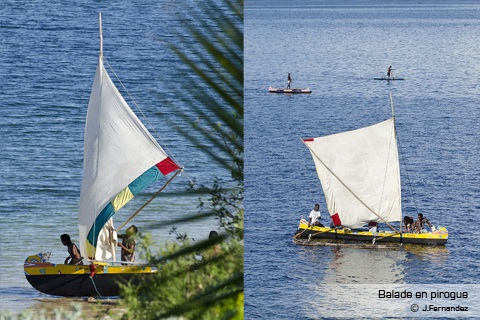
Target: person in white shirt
[[314, 216]]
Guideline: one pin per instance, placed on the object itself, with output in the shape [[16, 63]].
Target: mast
[[395, 132], [101, 36], [391, 104]]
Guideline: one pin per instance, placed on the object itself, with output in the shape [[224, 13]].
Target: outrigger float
[[359, 171], [121, 159]]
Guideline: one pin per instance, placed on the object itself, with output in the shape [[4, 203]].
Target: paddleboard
[[387, 78], [285, 90]]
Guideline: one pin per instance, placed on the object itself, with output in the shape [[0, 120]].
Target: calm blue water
[[48, 59], [49, 53], [336, 49]]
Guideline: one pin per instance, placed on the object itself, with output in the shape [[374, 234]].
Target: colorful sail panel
[[147, 178], [360, 174], [121, 158]]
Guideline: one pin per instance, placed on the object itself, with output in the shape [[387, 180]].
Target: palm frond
[[204, 279]]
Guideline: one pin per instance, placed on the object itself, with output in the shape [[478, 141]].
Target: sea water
[[337, 48], [48, 57], [49, 53]]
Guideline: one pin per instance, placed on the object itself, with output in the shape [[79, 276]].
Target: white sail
[[121, 158], [360, 174]]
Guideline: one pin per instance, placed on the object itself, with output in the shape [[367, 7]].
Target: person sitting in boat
[[419, 224], [373, 226], [289, 81], [408, 223], [74, 254], [314, 216], [128, 244], [389, 72], [212, 236]]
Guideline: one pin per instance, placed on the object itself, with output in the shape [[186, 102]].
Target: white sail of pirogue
[[360, 174], [121, 158]]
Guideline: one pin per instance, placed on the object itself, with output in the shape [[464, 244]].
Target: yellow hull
[[431, 238], [70, 280], [100, 269]]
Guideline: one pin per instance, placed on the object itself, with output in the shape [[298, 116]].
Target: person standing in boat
[[314, 216], [128, 244], [289, 81], [74, 254], [389, 72], [419, 224]]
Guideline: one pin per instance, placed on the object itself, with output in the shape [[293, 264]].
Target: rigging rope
[[92, 267], [409, 182], [99, 295], [150, 200], [146, 120]]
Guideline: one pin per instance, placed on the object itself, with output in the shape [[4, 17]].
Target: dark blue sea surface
[[48, 56], [337, 49]]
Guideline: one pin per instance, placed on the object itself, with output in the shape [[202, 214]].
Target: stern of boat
[[305, 231], [441, 234], [38, 260], [437, 237], [303, 224]]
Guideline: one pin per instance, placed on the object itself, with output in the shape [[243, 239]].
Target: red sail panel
[[166, 166], [336, 220]]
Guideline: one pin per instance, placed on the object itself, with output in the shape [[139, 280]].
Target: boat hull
[[284, 90], [346, 234], [73, 285], [76, 281]]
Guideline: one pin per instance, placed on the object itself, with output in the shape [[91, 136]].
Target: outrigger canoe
[[438, 237], [285, 90], [359, 171]]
